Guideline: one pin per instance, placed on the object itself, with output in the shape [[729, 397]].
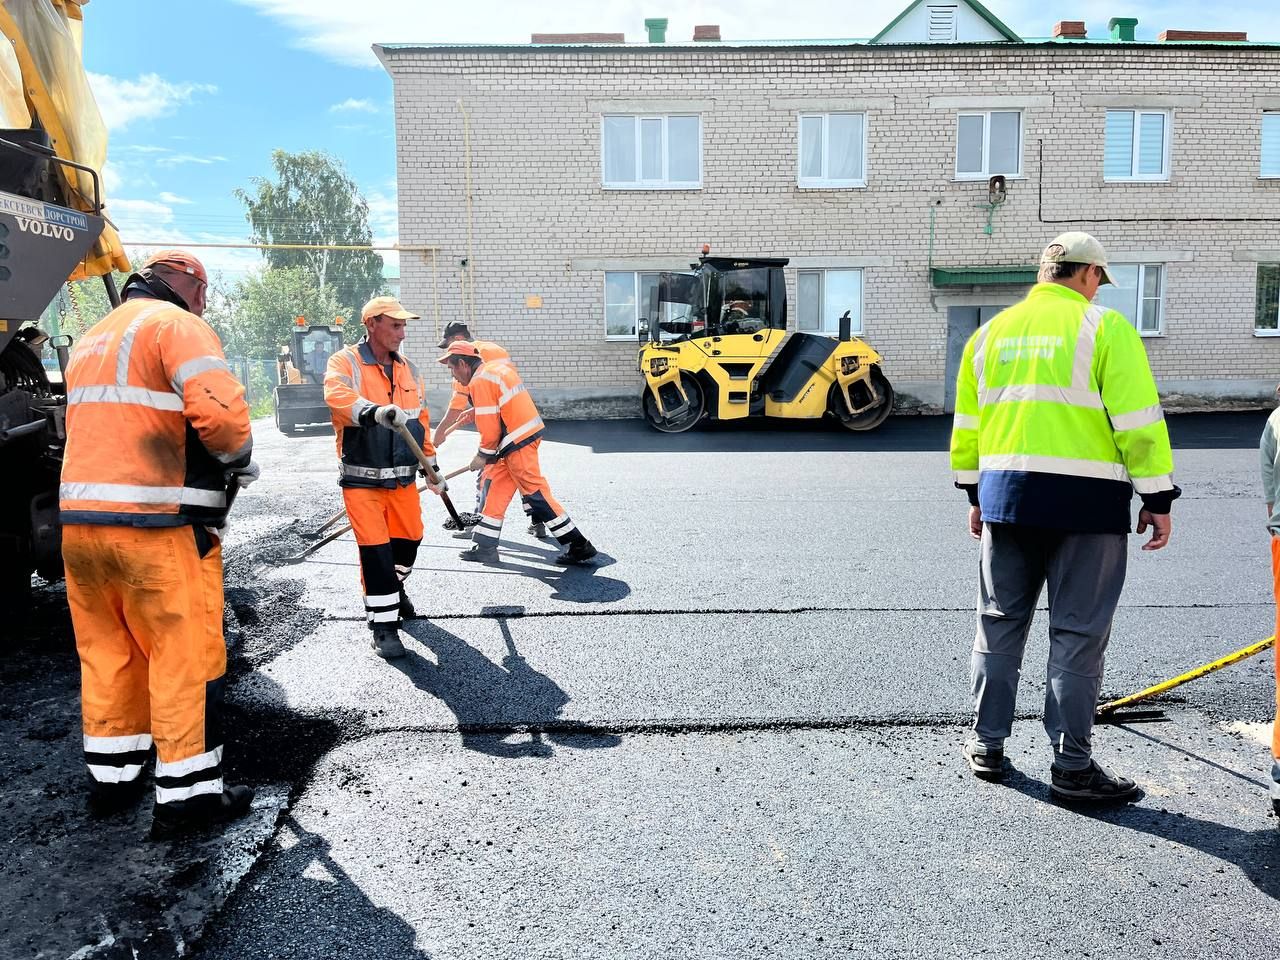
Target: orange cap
[[180, 261], [386, 307], [459, 348]]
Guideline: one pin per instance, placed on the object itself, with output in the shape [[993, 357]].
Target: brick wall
[[538, 210]]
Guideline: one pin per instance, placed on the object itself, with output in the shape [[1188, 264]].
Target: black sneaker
[[579, 552], [987, 763], [537, 530], [175, 819], [1094, 782], [479, 554]]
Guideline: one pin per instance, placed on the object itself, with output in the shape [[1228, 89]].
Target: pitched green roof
[[973, 5]]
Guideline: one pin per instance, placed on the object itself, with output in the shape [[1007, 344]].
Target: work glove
[[436, 488], [478, 462], [243, 476], [222, 531], [390, 416]]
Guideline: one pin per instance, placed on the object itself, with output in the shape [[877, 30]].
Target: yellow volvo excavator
[[715, 345]]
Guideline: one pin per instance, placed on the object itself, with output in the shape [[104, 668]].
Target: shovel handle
[[432, 476]]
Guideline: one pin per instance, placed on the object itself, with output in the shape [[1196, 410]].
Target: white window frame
[[856, 324], [664, 183], [635, 292], [1138, 113], [1262, 174], [1264, 331], [824, 182], [986, 173], [1141, 287]]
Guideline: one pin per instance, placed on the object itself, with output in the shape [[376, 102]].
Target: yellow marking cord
[[1187, 677]]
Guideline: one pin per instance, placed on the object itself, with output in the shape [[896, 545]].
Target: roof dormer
[[946, 21]]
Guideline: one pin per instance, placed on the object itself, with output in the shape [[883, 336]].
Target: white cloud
[[173, 198], [178, 159], [123, 101], [343, 32], [352, 105]]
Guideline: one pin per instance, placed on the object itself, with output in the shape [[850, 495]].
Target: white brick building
[[554, 177]]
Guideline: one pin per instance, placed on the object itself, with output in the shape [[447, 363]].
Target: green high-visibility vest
[[1055, 385]]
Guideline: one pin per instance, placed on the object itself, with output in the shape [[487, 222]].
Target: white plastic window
[[1138, 294], [988, 143], [822, 297], [1137, 145], [831, 150], [652, 153]]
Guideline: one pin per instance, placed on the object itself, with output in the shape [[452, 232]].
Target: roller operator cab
[[715, 344], [300, 366]]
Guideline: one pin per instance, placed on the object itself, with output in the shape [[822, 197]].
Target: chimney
[[1122, 28], [1205, 36], [657, 27], [1070, 30], [707, 32], [578, 38]]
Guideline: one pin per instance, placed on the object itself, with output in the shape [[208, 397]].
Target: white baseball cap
[[1077, 247]]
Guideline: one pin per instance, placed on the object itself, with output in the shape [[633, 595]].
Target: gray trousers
[[1085, 573]]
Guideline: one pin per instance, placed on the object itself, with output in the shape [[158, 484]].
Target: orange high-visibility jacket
[[488, 350], [355, 385], [154, 420], [505, 415]]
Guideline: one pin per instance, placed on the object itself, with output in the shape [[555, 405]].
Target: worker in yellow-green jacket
[[1057, 423]]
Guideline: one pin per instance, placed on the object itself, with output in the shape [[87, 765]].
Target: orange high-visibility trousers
[[388, 528], [520, 470], [147, 613]]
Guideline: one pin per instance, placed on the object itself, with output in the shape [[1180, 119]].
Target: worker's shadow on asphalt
[[496, 702], [1255, 852], [334, 912], [573, 584]]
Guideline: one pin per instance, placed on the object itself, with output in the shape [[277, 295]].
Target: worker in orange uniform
[[157, 442], [510, 433], [461, 412], [371, 389]]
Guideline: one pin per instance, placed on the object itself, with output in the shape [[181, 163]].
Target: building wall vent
[[942, 22]]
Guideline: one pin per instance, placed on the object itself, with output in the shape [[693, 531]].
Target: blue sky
[[193, 119]]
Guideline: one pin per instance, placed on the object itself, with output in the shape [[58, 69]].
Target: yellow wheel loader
[[715, 344]]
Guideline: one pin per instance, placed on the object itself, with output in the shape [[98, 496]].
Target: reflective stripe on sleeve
[[966, 477], [1138, 418], [128, 744], [244, 451], [481, 411], [1086, 342], [979, 354], [128, 493], [138, 396], [1021, 392], [487, 452], [1153, 484], [193, 368], [966, 421], [180, 768], [344, 379], [1065, 466], [413, 413], [509, 393], [359, 408]]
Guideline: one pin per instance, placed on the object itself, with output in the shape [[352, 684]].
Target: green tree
[[256, 315], [313, 201]]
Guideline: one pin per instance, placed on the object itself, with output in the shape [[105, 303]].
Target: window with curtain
[[831, 150], [1268, 306], [988, 143], [1137, 145], [652, 153], [822, 296], [1271, 145], [1138, 293]]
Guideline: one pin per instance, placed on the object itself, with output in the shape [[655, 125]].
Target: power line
[[397, 248]]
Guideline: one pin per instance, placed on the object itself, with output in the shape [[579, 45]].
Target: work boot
[[537, 529], [183, 816], [406, 607], [987, 763], [106, 799], [386, 641], [480, 554], [578, 552], [1094, 782]]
